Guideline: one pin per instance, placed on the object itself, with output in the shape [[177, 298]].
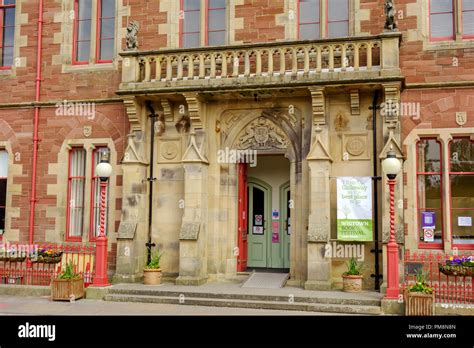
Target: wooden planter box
[[417, 303], [65, 289]]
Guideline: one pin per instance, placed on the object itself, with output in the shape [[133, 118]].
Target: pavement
[[38, 306]]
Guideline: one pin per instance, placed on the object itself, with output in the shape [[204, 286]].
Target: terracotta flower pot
[[417, 303], [152, 276], [352, 283]]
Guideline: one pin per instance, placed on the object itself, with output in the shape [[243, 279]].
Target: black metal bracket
[[373, 251], [376, 177], [380, 276], [150, 245]]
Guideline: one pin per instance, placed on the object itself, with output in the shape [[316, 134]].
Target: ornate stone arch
[[268, 130]]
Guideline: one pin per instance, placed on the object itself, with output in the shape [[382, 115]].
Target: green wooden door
[[259, 198], [286, 223]]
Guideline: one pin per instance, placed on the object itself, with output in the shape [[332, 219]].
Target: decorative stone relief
[[131, 37], [340, 122], [132, 153], [133, 117], [355, 146], [392, 97], [167, 110], [355, 103], [261, 134], [318, 104], [169, 150], [461, 118], [190, 231], [87, 131], [193, 110]]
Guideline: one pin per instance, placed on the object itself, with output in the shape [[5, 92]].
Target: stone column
[[192, 238], [133, 229], [319, 226]]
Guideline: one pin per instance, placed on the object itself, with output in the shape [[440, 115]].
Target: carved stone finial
[[131, 38], [390, 23]]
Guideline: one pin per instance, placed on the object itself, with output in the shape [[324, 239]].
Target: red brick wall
[[260, 21]]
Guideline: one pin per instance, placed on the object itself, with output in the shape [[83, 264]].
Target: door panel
[[258, 225], [242, 218], [286, 228]]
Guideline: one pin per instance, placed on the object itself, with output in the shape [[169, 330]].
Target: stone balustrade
[[273, 64]]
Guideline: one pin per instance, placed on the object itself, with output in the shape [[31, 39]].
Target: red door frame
[[242, 218]]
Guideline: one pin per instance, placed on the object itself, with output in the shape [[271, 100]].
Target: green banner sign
[[354, 209]]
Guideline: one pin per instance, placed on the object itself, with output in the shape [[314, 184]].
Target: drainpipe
[[36, 122], [151, 179], [375, 178]]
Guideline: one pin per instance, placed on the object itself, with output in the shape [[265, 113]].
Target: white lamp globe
[[391, 165], [104, 169]]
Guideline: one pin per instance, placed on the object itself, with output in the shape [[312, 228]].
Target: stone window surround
[[444, 136], [60, 189], [19, 42], [203, 12], [420, 9], [66, 38], [12, 189]]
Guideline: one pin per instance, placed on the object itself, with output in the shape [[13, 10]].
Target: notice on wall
[[275, 214], [428, 219], [428, 234], [258, 220], [258, 230], [275, 232], [464, 221], [354, 209]]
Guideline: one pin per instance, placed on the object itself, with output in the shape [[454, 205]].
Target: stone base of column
[[317, 285], [185, 280]]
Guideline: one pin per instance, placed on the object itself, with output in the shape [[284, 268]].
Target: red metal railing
[[447, 289], [40, 273]]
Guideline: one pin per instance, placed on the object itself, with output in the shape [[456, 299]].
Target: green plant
[[69, 272], [353, 267], [155, 261], [421, 285]]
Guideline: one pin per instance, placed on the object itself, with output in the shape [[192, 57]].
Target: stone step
[[248, 297], [235, 303]]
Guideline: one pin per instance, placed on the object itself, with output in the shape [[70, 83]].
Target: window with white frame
[[3, 189]]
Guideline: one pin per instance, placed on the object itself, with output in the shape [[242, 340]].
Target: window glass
[[309, 19], [3, 164], [83, 30], [7, 23], [107, 30], [429, 192], [462, 155], [338, 18], [441, 19], [77, 171]]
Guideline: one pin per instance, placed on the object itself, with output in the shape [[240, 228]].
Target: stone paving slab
[[40, 306]]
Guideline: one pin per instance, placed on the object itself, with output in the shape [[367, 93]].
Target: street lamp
[[103, 171], [392, 166]]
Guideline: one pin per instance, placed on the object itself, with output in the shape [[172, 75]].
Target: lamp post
[[103, 171], [392, 166]]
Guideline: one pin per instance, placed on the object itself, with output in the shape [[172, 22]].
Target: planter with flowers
[[352, 278], [68, 286], [458, 266], [419, 298], [47, 255]]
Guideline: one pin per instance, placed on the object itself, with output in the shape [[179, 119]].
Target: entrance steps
[[290, 299]]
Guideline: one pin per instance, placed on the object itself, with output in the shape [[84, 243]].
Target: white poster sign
[[354, 209]]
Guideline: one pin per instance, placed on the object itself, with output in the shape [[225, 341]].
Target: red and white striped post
[[391, 166], [104, 170]]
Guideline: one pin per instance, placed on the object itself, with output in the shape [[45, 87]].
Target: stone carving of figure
[[131, 38], [390, 16], [183, 125]]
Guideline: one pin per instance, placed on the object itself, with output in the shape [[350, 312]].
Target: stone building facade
[[291, 81]]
